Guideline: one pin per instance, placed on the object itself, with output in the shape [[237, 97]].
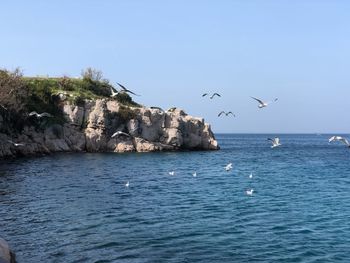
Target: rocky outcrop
[[89, 128], [6, 255]]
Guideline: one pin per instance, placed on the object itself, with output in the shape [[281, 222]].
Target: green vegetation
[[22, 95]]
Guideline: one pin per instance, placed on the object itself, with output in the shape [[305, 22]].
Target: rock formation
[[89, 128], [6, 255]]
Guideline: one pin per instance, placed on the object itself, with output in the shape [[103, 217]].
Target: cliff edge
[[83, 124]]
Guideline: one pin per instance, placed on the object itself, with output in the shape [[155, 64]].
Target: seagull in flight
[[44, 114], [126, 90], [262, 104], [15, 144], [171, 109], [226, 113], [228, 167], [212, 96], [249, 192], [113, 93], [156, 108], [340, 139], [275, 142], [120, 133]]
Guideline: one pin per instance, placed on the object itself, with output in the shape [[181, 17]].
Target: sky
[[171, 52]]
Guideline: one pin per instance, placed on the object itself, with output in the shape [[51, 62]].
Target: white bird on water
[[172, 173], [15, 144], [251, 175], [249, 192], [194, 174], [263, 104], [275, 142], [127, 184], [228, 167], [340, 139]]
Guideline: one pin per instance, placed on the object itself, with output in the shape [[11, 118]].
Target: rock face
[[89, 128], [6, 255]]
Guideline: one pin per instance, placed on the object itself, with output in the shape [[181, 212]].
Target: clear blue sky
[[173, 51]]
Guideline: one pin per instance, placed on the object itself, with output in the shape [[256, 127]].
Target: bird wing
[[205, 94], [172, 109], [331, 139], [221, 113], [131, 92], [345, 141], [122, 86], [217, 94], [276, 99], [258, 100], [269, 139], [33, 113], [277, 140], [45, 114], [230, 112]]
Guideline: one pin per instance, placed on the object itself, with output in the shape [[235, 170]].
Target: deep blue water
[[76, 208]]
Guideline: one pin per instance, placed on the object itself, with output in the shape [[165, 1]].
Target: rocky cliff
[[89, 126]]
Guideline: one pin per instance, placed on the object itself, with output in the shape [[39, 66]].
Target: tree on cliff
[[13, 90]]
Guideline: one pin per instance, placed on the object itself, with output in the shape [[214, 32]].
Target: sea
[[76, 207]]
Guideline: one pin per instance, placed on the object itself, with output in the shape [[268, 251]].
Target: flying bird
[[228, 167], [44, 114], [15, 144], [126, 90], [212, 96], [226, 113], [340, 139], [275, 142], [262, 104], [156, 108], [171, 109], [249, 192], [113, 93], [120, 133]]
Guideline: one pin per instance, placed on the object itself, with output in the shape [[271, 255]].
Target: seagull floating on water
[[194, 174], [275, 142], [229, 167], [120, 133], [226, 113], [125, 90], [172, 173], [340, 139], [262, 104], [251, 175], [249, 192], [127, 184], [44, 114], [15, 144]]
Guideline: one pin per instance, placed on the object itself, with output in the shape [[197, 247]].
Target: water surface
[[76, 208]]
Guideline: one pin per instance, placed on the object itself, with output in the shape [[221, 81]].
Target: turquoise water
[[76, 208]]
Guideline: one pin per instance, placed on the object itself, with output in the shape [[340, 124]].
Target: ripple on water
[[53, 209]]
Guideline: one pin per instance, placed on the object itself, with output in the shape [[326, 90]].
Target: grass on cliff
[[22, 94]]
